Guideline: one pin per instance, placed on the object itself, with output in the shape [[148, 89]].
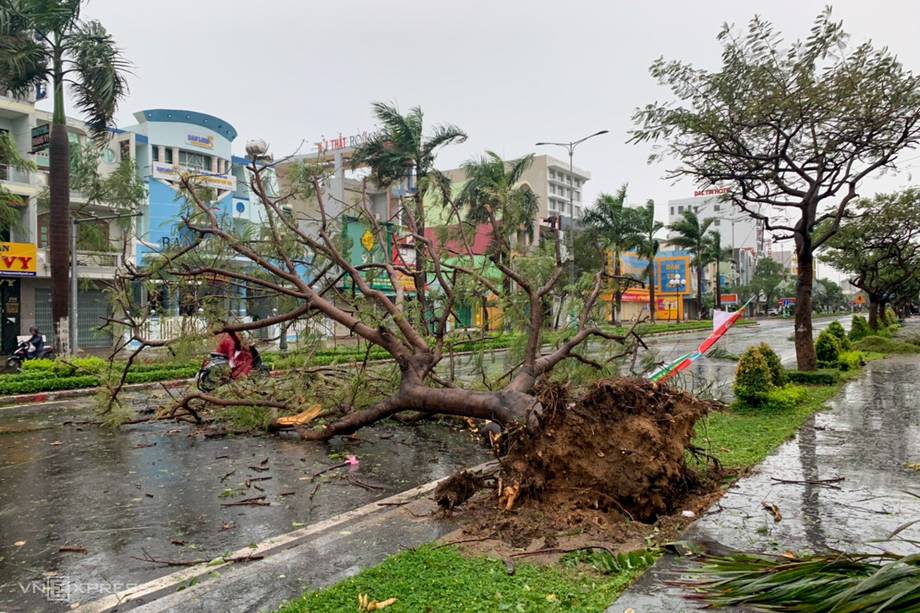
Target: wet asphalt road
[[157, 490]]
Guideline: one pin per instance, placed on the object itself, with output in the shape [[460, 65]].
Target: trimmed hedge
[[881, 344], [827, 348], [47, 384], [823, 376], [850, 360], [777, 372], [840, 334]]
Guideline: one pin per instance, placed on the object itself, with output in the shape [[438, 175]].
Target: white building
[[739, 232]]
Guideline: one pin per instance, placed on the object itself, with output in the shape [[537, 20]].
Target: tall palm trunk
[[618, 293], [59, 222], [650, 273], [699, 289]]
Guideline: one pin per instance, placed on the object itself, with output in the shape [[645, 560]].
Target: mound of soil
[[619, 447]]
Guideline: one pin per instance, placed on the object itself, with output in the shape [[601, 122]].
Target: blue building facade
[[170, 142]]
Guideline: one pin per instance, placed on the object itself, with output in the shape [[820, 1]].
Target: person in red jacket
[[238, 354]]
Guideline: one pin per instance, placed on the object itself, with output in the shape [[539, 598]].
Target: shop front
[[17, 260]]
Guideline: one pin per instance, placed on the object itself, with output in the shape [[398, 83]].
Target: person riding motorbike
[[37, 342]]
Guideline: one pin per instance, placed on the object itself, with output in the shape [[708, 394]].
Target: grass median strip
[[441, 579]]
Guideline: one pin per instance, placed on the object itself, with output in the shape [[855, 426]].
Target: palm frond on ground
[[838, 583]]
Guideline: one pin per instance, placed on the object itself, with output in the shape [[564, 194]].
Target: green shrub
[[840, 334], [827, 349], [785, 398], [813, 377], [851, 360], [891, 317], [50, 384], [859, 328], [40, 364], [753, 378], [880, 344], [777, 372], [820, 376]]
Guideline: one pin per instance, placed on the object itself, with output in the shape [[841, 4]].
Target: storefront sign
[[205, 142], [341, 142], [713, 191], [41, 137], [729, 298], [673, 275], [202, 178], [18, 259]]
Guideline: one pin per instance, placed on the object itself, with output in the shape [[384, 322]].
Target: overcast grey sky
[[509, 72]]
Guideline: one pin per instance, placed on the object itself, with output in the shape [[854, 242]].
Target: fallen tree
[[304, 265]]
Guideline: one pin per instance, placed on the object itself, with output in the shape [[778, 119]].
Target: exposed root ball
[[457, 489], [621, 447]]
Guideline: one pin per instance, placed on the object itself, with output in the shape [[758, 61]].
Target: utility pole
[[570, 241]]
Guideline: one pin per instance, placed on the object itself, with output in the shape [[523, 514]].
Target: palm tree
[[715, 253], [690, 234], [615, 227], [492, 190], [396, 152], [43, 40], [646, 246]]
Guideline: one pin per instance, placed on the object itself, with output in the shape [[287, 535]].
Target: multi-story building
[[559, 190], [25, 292], [739, 232]]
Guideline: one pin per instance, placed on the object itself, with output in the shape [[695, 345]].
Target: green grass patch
[[742, 437], [430, 579]]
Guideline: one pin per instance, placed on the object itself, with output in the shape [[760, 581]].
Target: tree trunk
[[651, 290], [718, 287], [804, 343], [699, 291], [420, 278], [507, 407], [59, 226], [617, 293]]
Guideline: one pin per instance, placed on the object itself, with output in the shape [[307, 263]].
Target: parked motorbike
[[21, 354], [217, 370]]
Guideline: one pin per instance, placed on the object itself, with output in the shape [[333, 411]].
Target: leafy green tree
[[493, 192], [614, 225], [767, 279], [42, 40], [690, 233], [829, 295], [647, 246], [792, 130], [399, 151], [878, 248], [716, 254]]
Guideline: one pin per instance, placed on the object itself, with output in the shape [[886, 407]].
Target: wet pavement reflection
[[870, 437], [155, 489]]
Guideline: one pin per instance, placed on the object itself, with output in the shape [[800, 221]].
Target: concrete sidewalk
[[869, 437]]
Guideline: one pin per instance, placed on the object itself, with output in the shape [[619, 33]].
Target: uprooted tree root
[[621, 446]]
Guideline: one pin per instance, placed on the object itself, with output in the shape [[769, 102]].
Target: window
[[716, 207], [680, 209], [578, 196], [672, 211], [552, 175], [552, 189], [167, 154], [197, 161], [715, 222]]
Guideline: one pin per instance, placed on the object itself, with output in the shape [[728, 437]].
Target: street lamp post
[[570, 147]]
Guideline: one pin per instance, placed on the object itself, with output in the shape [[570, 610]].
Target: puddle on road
[[154, 488]]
